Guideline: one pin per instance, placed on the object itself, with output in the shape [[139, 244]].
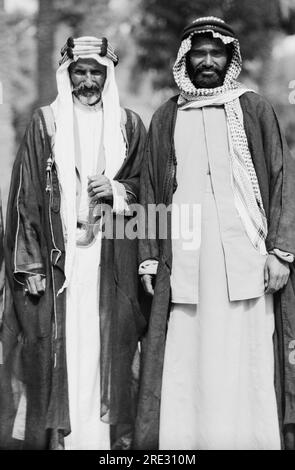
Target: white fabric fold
[[120, 205], [150, 266], [283, 255]]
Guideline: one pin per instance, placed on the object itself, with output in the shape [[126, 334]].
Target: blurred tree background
[[163, 20], [146, 35]]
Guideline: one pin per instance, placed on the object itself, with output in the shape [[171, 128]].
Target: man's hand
[[99, 187], [147, 282], [276, 274], [36, 284]]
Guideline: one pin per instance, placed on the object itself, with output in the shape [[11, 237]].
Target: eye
[[78, 72], [196, 54], [218, 53]]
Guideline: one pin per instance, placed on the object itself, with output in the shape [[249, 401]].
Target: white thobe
[[218, 378], [88, 432]]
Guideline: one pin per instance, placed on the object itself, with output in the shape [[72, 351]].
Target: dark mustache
[[201, 68], [83, 88]]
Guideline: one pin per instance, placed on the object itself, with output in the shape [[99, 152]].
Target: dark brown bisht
[[33, 329]]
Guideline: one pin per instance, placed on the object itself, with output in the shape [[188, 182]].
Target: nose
[[88, 81], [208, 60]]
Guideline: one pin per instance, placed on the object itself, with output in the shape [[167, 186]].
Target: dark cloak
[[2, 275], [33, 332], [275, 169]]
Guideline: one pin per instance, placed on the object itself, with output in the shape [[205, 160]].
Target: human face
[[88, 78], [207, 62]]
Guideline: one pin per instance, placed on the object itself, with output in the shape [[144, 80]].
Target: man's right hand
[[147, 282], [35, 284]]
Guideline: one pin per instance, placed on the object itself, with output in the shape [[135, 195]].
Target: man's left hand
[[276, 274], [99, 186]]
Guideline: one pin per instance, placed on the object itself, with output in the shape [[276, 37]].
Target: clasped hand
[[99, 186]]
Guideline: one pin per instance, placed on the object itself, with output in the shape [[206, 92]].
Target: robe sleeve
[[281, 168], [282, 255], [120, 205], [150, 266], [24, 212], [148, 245], [136, 135]]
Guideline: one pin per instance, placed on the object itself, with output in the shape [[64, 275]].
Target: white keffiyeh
[[113, 143]]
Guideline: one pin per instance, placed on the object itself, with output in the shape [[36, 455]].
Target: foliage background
[[145, 34]]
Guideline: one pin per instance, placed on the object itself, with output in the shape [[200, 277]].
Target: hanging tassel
[[48, 174]]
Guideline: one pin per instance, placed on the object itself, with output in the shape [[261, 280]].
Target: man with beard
[[76, 319], [217, 158]]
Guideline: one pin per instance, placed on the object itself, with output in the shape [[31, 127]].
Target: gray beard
[[85, 99]]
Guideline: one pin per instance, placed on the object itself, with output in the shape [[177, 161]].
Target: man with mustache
[[218, 371], [76, 321], [207, 61], [88, 78]]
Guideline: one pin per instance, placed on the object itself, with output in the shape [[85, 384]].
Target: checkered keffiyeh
[[245, 185]]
